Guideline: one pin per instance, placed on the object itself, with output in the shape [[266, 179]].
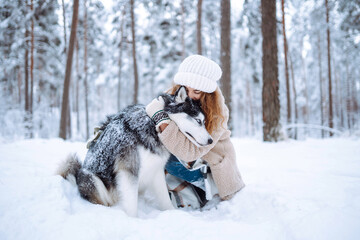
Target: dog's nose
[[210, 141]]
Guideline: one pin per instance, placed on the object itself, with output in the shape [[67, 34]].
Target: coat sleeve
[[179, 145]]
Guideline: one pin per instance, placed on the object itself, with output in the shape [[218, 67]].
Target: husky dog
[[128, 157]]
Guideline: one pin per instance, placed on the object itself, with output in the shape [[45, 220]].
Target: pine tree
[[183, 48], [225, 55], [136, 77], [120, 61], [270, 94], [65, 99], [198, 27], [288, 101], [331, 123], [86, 88]]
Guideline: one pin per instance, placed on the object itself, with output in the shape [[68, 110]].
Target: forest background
[[127, 52]]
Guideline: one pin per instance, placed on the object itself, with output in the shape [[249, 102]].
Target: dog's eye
[[198, 121]]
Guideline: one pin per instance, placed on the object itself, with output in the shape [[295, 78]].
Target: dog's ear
[[165, 97], [181, 95]]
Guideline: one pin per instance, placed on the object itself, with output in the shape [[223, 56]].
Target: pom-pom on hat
[[198, 72]]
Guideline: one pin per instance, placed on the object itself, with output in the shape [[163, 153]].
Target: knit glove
[[155, 110]]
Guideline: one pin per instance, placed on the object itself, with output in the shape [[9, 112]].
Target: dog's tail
[[90, 186], [70, 168]]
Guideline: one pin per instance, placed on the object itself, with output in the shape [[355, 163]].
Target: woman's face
[[193, 93]]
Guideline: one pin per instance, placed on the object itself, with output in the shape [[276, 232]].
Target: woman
[[199, 75]]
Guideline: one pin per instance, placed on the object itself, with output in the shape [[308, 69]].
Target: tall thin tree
[[86, 72], [26, 66], [77, 87], [64, 23], [32, 68], [19, 78], [294, 94], [183, 30], [198, 27], [305, 108], [65, 98], [120, 57], [270, 91], [250, 104], [348, 98], [136, 77], [320, 85], [68, 120], [338, 95], [225, 55], [331, 124], [288, 101]]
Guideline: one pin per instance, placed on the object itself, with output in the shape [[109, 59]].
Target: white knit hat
[[198, 72]]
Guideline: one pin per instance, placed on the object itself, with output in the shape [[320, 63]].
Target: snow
[[295, 190]]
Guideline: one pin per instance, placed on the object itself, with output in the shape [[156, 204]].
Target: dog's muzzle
[[210, 141]]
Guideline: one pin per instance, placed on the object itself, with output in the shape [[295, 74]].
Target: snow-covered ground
[[295, 190]]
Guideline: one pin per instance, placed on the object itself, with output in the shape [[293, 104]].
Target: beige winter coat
[[220, 155]]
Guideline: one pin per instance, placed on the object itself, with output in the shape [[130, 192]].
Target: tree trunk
[[348, 96], [295, 95], [86, 73], [250, 105], [68, 120], [286, 64], [120, 59], [321, 87], [77, 88], [338, 97], [136, 78], [19, 77], [355, 98], [270, 91], [27, 102], [198, 27], [32, 72], [65, 98], [305, 109], [183, 30], [27, 94], [225, 55], [331, 124], [64, 22]]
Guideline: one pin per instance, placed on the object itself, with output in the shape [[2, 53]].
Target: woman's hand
[[155, 110], [163, 126]]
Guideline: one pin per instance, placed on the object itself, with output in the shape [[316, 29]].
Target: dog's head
[[188, 116]]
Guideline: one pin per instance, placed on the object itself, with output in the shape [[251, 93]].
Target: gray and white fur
[[128, 157]]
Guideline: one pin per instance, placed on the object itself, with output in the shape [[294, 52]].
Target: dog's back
[[121, 136]]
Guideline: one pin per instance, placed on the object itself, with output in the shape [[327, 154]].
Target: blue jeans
[[175, 168]]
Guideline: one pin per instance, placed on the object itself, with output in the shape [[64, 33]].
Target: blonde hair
[[211, 105]]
